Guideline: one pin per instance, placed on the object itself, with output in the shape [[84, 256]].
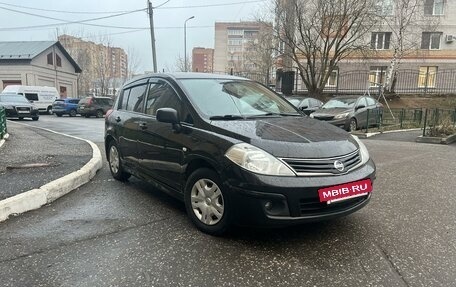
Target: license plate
[[81, 108], [345, 191], [23, 112]]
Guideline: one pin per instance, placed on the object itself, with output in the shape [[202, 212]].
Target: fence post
[[425, 122], [454, 117], [401, 117], [2, 122], [367, 123]]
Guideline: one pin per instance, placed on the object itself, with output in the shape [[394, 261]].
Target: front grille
[[23, 109], [324, 118], [315, 207], [323, 166]]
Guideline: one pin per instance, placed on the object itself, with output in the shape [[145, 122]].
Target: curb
[[368, 135], [5, 137], [35, 198]]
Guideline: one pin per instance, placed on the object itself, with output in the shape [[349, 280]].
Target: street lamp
[[185, 42]]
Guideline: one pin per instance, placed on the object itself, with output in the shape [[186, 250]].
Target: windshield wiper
[[275, 114], [226, 118]]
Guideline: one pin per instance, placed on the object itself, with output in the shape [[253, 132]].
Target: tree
[[405, 19], [318, 34], [179, 65]]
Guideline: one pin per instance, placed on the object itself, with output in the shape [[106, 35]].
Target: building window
[[377, 75], [433, 7], [58, 60], [235, 32], [427, 77], [384, 7], [234, 42], [50, 59], [380, 41], [332, 80], [430, 40]]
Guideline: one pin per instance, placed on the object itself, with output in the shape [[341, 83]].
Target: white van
[[42, 97]]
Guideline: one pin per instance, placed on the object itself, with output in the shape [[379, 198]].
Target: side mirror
[[169, 115], [304, 107], [360, 107]]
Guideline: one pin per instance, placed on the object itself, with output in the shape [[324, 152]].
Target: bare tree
[[405, 19], [133, 63], [318, 34], [179, 65]]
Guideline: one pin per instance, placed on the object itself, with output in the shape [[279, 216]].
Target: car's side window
[[162, 95], [370, 102], [124, 99], [136, 99], [362, 102], [305, 103]]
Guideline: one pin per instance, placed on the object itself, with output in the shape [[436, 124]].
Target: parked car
[[350, 112], [94, 106], [66, 106], [306, 104], [41, 96], [17, 106], [234, 152]]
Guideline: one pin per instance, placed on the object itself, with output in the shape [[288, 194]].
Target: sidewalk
[[32, 158]]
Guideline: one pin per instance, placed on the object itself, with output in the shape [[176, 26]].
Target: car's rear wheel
[[21, 118], [207, 202], [99, 114], [35, 118], [115, 165], [353, 125], [73, 113], [49, 110], [87, 115], [58, 114]]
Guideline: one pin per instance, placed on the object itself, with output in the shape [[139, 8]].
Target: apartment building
[[428, 64], [102, 64], [202, 60], [233, 45]]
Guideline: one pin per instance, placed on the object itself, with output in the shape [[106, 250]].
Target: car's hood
[[331, 111], [295, 137]]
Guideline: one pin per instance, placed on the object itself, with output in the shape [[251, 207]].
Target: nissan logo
[[339, 165]]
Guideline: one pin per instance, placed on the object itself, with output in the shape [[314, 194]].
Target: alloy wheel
[[114, 159]]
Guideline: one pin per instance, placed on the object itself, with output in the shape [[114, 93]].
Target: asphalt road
[[109, 233]]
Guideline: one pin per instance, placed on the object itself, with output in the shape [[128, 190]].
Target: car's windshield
[[340, 103], [13, 98], [215, 97]]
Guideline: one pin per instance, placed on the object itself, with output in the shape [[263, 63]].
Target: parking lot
[[129, 234]]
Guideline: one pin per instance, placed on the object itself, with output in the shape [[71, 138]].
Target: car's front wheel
[[99, 114], [207, 202], [115, 165], [35, 118], [73, 113], [58, 114]]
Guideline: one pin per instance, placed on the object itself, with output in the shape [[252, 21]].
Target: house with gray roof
[[38, 63]]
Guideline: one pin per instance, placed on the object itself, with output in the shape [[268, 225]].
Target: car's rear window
[[84, 101]]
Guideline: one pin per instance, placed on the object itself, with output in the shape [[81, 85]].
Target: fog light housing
[[276, 207]]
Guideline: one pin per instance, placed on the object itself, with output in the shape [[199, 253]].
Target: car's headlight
[[8, 107], [341, 116], [257, 160], [34, 108], [362, 150]]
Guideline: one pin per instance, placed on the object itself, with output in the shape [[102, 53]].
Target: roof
[[27, 50], [185, 75]]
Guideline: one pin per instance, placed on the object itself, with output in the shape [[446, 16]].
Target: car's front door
[[361, 112], [160, 147]]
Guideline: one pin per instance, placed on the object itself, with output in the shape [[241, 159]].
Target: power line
[[64, 22], [212, 5], [62, 11]]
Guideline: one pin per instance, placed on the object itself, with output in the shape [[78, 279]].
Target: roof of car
[[187, 75]]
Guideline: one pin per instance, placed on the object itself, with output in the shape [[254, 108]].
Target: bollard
[[425, 122]]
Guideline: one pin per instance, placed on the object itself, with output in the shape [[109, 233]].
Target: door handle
[[143, 126], [118, 119]]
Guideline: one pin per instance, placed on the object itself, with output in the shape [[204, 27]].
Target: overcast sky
[[169, 41]]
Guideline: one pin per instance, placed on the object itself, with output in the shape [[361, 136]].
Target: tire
[[73, 113], [115, 164], [353, 125], [207, 202], [58, 114], [21, 118], [99, 114], [35, 118], [87, 115], [49, 110]]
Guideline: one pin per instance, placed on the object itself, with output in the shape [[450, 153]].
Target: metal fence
[[426, 119], [408, 81], [2, 122]]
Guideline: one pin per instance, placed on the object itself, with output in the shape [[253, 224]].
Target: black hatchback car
[[234, 152]]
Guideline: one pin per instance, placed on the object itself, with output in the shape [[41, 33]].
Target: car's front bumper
[[277, 201], [341, 123], [13, 113]]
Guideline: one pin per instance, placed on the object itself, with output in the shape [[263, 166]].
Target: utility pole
[[152, 33]]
